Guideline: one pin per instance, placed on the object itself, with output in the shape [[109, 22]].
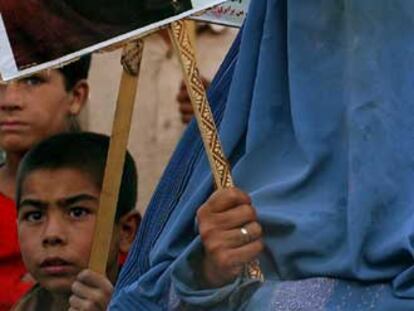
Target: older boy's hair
[[76, 71], [86, 152]]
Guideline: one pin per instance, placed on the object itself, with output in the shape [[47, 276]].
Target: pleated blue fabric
[[319, 127]]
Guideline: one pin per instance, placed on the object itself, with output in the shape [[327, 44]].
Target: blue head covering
[[319, 127]]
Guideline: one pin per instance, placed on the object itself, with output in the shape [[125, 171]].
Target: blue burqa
[[319, 127]]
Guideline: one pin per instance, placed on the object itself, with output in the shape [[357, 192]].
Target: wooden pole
[[219, 165], [192, 31], [131, 60]]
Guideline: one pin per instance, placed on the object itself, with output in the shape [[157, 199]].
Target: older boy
[[58, 188]]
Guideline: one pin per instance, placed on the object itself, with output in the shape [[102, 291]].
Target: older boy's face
[[33, 109], [55, 224]]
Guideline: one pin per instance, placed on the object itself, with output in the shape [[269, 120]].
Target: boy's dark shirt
[[38, 299]]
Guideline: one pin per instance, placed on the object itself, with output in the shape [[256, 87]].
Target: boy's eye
[[32, 81], [78, 212], [33, 216]]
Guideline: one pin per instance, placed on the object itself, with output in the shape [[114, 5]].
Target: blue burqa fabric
[[319, 127]]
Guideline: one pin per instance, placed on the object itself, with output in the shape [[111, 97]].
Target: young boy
[[58, 187]]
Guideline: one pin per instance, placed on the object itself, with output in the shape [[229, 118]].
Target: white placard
[[231, 13]]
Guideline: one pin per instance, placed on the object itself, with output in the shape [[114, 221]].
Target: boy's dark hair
[[86, 152], [76, 71]]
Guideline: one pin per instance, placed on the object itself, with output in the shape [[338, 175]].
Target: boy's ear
[[80, 94], [129, 224]]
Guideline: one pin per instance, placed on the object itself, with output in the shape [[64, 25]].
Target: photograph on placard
[[60, 30]]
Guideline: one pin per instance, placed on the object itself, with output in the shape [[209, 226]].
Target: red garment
[[12, 269]]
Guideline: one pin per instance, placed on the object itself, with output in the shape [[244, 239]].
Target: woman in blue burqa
[[319, 128]]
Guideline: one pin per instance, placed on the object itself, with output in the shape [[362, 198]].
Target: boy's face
[[34, 108], [56, 222]]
